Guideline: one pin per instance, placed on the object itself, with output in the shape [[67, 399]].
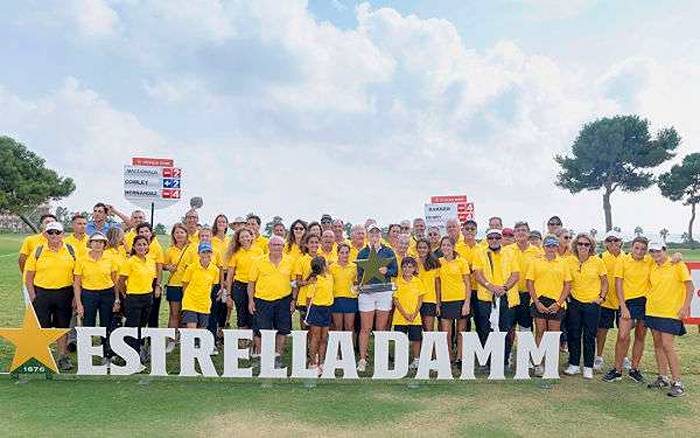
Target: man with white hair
[[453, 230]]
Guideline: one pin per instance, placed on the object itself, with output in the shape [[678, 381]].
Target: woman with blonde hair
[[175, 264]]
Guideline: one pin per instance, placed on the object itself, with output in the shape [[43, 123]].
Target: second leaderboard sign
[[152, 180]]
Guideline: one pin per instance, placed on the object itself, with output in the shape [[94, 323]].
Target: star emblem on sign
[[371, 266]]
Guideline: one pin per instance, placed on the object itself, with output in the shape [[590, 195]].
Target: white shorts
[[376, 301]]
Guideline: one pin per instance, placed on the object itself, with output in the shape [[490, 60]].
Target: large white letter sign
[[548, 350], [233, 354], [202, 354], [299, 369], [495, 348], [381, 355], [159, 337], [268, 352], [434, 342], [119, 346], [86, 350], [340, 343]]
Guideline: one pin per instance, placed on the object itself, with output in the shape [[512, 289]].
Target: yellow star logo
[[32, 341]]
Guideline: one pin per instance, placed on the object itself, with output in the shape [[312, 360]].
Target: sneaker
[[320, 370], [636, 375], [598, 363], [587, 373], [215, 352], [677, 390], [362, 366], [572, 370], [661, 382], [612, 376], [414, 364], [278, 362], [314, 368], [539, 370], [626, 364], [457, 364], [65, 364], [141, 368], [170, 346]]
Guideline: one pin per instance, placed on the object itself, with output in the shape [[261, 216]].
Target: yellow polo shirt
[[667, 293], [261, 242], [549, 276], [53, 269], [94, 274], [176, 257], [585, 284], [331, 257], [452, 274], [272, 282], [634, 274], [343, 280], [469, 252], [200, 280], [610, 260], [428, 280], [408, 294], [129, 237], [524, 259], [504, 265], [242, 260], [192, 256], [79, 246], [302, 270], [321, 292], [139, 275]]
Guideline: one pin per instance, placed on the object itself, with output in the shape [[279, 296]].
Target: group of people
[[514, 279]]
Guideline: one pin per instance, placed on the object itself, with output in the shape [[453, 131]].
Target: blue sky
[[354, 108]]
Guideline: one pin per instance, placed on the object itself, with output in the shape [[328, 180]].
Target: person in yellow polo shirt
[[609, 314], [548, 280], [327, 247], [454, 300], [49, 281], [302, 270], [294, 239], [29, 244], [156, 253], [254, 222], [137, 218], [428, 270], [668, 303], [78, 238], [176, 264], [192, 225], [497, 272], [589, 286], [319, 300], [197, 282], [95, 275], [408, 299], [271, 295], [344, 291], [358, 240], [136, 278], [241, 256], [524, 253]]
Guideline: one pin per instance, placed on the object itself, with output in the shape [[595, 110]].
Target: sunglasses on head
[[53, 232], [554, 224], [586, 244]]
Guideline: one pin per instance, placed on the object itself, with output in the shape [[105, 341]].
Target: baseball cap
[[204, 247], [326, 218], [550, 241], [508, 232], [613, 234], [494, 231], [373, 226], [656, 246], [55, 225], [535, 233], [239, 220], [97, 235]]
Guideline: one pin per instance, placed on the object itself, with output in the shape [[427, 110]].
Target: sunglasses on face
[[53, 232], [493, 238], [585, 244], [613, 240], [298, 228], [566, 237], [433, 234]]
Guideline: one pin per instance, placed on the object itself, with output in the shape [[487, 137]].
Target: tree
[[618, 229], [347, 227], [682, 183], [685, 238], [25, 182], [638, 231], [593, 233], [160, 229], [270, 225], [663, 234], [64, 217], [613, 153]]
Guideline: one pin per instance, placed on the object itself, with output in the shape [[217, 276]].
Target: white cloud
[[94, 18], [554, 9]]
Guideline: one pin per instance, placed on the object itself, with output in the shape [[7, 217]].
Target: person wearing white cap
[[375, 306], [609, 314], [93, 285], [668, 303], [497, 271], [49, 280], [237, 224]]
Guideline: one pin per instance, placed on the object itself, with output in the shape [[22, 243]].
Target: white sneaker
[[587, 373], [572, 370], [170, 346], [414, 364], [314, 368], [598, 363], [215, 352], [362, 366], [539, 370], [626, 364]]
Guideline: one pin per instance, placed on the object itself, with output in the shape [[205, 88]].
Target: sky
[[358, 109]]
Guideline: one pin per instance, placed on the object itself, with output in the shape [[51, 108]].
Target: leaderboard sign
[[152, 180], [443, 208]]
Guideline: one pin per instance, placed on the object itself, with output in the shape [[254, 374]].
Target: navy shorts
[[451, 309], [522, 311], [239, 294], [428, 309], [53, 307], [637, 307], [344, 305], [546, 301], [273, 315], [665, 325], [319, 316], [609, 318], [173, 293], [414, 332], [192, 317]]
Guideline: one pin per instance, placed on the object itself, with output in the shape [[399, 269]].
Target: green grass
[[81, 406]]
